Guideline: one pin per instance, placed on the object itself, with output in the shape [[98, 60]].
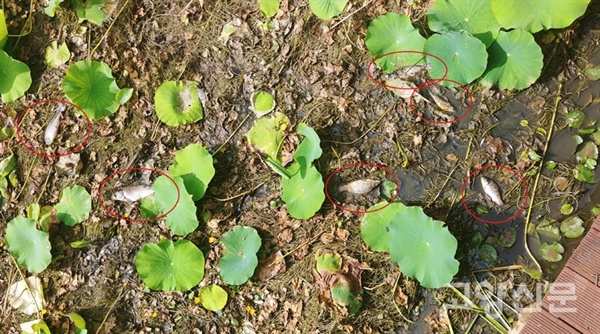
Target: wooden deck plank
[[546, 323], [586, 259], [574, 300]]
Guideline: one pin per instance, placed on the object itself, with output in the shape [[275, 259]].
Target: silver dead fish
[[132, 193], [52, 127], [359, 187], [491, 190]]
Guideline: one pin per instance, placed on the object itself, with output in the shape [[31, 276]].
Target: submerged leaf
[[508, 237], [572, 227], [488, 254], [551, 252], [575, 118]]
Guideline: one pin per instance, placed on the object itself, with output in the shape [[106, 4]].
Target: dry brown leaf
[[273, 265], [342, 234]]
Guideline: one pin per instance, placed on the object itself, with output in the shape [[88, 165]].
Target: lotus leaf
[[375, 225], [267, 134], [195, 166], [326, 9], [572, 227], [177, 103], [303, 195], [29, 246], [551, 252], [239, 260], [74, 206], [213, 298], [15, 78], [536, 15], [182, 220]]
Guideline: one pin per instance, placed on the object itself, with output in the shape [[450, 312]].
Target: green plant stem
[[493, 322], [108, 29], [537, 179], [278, 168]]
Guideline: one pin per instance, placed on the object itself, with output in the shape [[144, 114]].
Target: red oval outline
[[358, 164], [121, 171], [406, 51], [54, 156], [477, 171], [412, 107]]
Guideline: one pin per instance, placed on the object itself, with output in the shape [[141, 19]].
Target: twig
[[109, 310], [537, 179], [354, 12], [233, 133], [493, 322], [442, 187], [236, 196], [394, 299], [512, 267], [108, 29], [27, 177]]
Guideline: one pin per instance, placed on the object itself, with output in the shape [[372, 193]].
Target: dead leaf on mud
[[273, 265]]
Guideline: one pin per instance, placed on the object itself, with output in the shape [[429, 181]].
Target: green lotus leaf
[[394, 32], [238, 262], [77, 320], [465, 56], [508, 237], [262, 103], [572, 227], [56, 56], [213, 298], [7, 165], [269, 7], [52, 5], [344, 293], [124, 95], [328, 263], [423, 248], [515, 61], [28, 245], [74, 206], [91, 86], [182, 220], [488, 254], [15, 78], [303, 195], [177, 103], [548, 229], [3, 30], [536, 15], [267, 134], [195, 166], [593, 73], [474, 17], [170, 266], [91, 10], [326, 9], [309, 149], [551, 252], [374, 228]]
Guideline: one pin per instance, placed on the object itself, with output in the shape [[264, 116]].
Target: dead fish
[[359, 187], [491, 190], [52, 127], [132, 193]]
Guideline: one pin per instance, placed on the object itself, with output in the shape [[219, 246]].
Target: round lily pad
[[213, 297], [74, 206], [551, 252], [262, 103], [474, 17], [508, 237], [374, 228], [515, 61], [91, 86], [394, 32], [303, 195], [170, 266], [464, 55], [423, 248], [15, 78], [29, 246], [195, 166], [326, 9], [572, 227], [536, 15], [239, 260], [488, 254], [177, 103]]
